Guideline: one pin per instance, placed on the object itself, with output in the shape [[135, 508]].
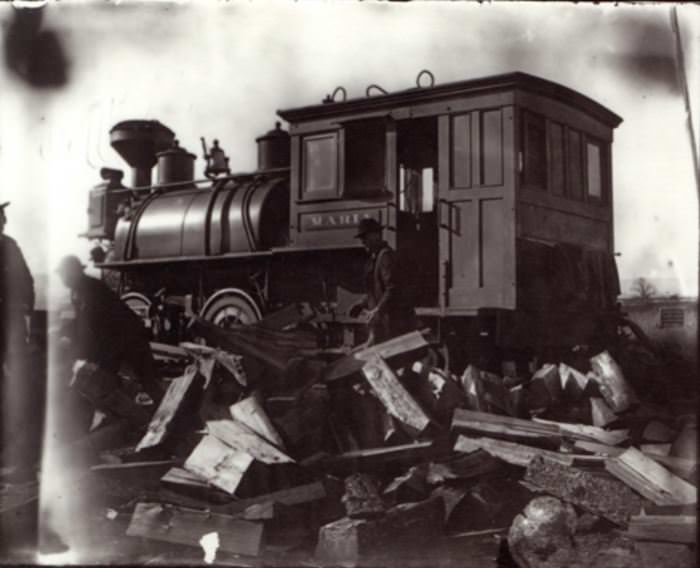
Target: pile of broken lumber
[[277, 447]]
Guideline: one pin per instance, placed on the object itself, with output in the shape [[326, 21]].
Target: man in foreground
[[107, 332]]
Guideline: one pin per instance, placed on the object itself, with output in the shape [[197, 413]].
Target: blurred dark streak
[[33, 54]]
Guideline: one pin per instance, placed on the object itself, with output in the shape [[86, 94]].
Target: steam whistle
[[217, 160]]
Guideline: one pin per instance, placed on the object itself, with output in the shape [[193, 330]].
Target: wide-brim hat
[[368, 226], [69, 264]]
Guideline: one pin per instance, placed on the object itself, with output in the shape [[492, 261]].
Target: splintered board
[[353, 363], [519, 454], [240, 437], [504, 426], [393, 395], [171, 524], [664, 528], [219, 464], [250, 412], [163, 416], [651, 479]]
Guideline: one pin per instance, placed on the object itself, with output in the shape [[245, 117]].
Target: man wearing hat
[[389, 312], [107, 332], [16, 299]]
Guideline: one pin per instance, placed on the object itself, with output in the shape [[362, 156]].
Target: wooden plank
[[504, 426], [168, 407], [588, 433], [519, 454], [394, 396], [175, 525], [168, 351], [394, 347], [684, 468], [375, 457], [664, 528], [130, 465], [650, 479], [250, 412], [613, 386], [599, 494], [240, 438], [219, 464]]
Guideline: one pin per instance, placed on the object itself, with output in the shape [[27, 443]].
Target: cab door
[[476, 214]]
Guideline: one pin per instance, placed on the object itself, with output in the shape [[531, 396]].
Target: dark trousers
[[392, 325]]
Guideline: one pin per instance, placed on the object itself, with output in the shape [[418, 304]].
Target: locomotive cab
[[498, 191]]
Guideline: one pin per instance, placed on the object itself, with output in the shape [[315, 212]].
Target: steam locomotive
[[497, 191]]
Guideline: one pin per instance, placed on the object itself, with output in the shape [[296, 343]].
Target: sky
[[221, 70]]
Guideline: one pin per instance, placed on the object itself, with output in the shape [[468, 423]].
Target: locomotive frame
[[499, 189]]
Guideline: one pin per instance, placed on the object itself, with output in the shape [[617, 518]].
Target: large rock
[[543, 534]]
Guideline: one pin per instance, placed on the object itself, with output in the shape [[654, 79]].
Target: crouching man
[[107, 334]]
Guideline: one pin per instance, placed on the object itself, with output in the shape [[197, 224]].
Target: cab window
[[365, 158], [320, 166]]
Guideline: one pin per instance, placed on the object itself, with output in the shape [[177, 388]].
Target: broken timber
[[353, 363], [613, 386], [164, 415], [682, 467], [371, 458], [650, 479], [393, 395], [664, 528], [519, 454], [251, 413], [240, 437], [588, 433], [505, 426], [218, 463], [180, 526]]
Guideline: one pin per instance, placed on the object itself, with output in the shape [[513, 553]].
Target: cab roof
[[484, 85]]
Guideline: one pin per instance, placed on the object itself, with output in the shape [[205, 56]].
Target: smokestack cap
[[138, 141]]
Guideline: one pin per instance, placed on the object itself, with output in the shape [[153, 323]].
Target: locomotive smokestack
[[138, 142]]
